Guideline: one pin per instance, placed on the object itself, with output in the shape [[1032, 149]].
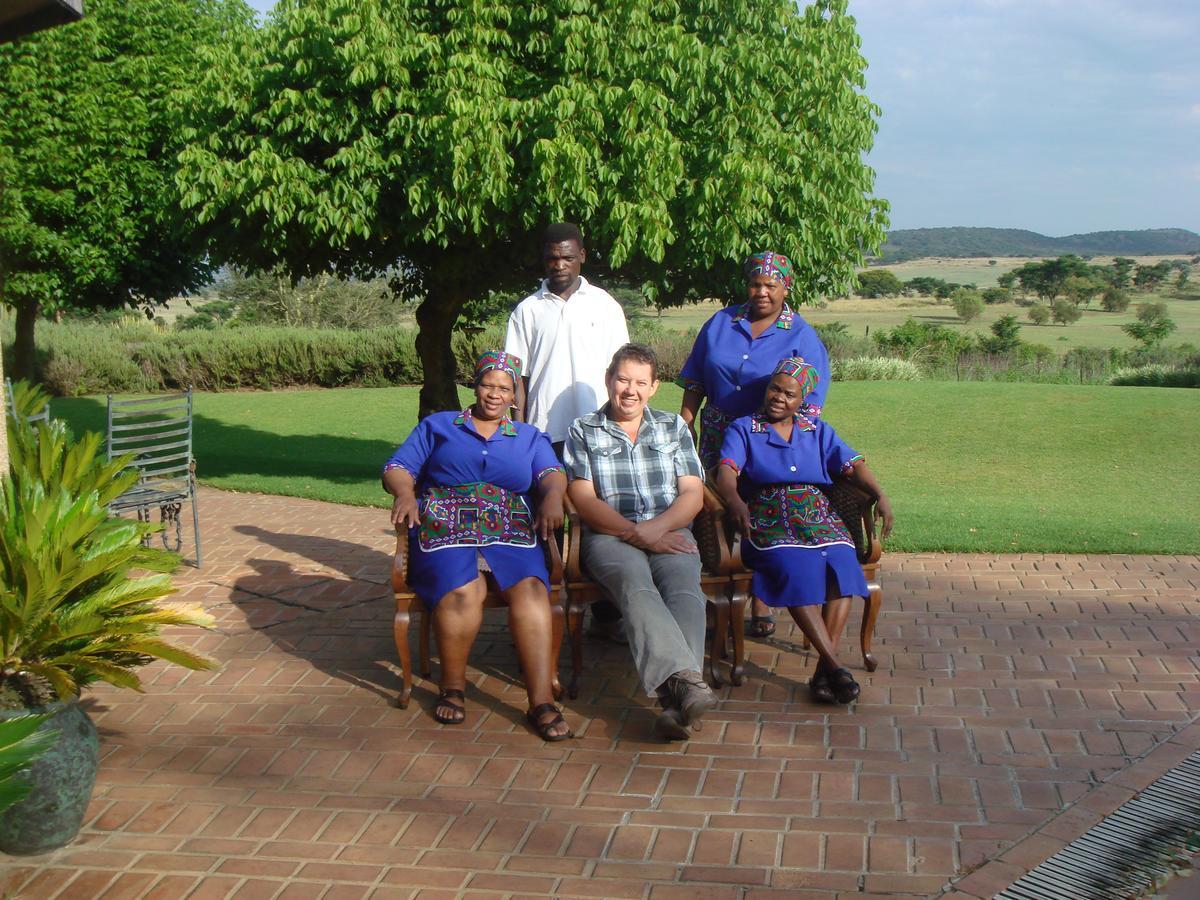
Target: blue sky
[[1060, 116]]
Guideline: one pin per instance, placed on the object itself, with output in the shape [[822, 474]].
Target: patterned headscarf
[[498, 359], [797, 368], [770, 263]]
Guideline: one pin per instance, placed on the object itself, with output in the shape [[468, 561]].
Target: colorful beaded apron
[[474, 515], [794, 515]]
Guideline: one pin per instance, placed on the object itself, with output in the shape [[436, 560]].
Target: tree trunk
[[24, 361], [448, 291]]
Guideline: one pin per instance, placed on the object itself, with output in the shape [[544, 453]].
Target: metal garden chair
[[10, 405], [158, 432]]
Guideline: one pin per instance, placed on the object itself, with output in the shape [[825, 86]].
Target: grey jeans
[[659, 595]]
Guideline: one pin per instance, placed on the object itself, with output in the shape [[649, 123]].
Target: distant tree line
[[916, 243], [1062, 286]]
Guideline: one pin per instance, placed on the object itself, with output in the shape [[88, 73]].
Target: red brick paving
[[1019, 699]]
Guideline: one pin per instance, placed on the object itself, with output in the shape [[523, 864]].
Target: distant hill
[[914, 243]]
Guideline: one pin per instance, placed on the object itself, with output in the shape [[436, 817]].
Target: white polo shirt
[[565, 345]]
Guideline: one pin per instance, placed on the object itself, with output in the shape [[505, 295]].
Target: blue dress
[[731, 368], [473, 498], [796, 540]]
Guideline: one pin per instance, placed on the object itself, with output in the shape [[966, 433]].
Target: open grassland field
[[969, 466], [1095, 329], [863, 317]]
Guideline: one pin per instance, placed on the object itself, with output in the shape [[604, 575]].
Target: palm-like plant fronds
[[80, 600], [20, 746]]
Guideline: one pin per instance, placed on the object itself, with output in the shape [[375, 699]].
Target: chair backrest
[[10, 405], [157, 431], [855, 508]]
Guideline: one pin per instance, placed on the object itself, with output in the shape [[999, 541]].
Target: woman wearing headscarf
[[803, 558], [462, 483], [732, 360]]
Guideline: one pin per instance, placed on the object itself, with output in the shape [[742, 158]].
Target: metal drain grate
[[1118, 857]]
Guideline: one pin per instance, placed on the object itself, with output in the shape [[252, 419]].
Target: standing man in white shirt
[[566, 332]]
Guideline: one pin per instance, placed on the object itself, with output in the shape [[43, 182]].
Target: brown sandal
[[543, 728], [446, 696]]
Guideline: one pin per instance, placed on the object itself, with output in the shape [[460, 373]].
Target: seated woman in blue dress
[[801, 554], [461, 483], [732, 361]]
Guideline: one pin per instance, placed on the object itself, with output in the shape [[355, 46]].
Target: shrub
[[671, 347], [927, 285], [490, 310], [77, 358], [839, 342], [1157, 375], [1114, 299], [968, 304], [207, 315], [1038, 314], [996, 295], [1064, 311], [1152, 325], [325, 300], [1091, 364], [1006, 336], [875, 368], [878, 283], [922, 341]]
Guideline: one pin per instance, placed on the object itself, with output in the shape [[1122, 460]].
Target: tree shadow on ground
[[223, 449], [940, 320], [340, 622]]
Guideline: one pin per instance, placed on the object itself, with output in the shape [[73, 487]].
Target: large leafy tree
[[436, 137], [88, 146]]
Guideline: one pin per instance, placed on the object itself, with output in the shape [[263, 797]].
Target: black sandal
[[445, 698], [845, 688], [762, 626], [820, 690], [543, 728]]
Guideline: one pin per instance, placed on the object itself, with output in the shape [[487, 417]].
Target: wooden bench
[[408, 603]]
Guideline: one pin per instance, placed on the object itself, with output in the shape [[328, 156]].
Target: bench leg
[[400, 633], [737, 627], [720, 637], [870, 614]]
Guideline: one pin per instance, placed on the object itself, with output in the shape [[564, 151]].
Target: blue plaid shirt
[[638, 480]]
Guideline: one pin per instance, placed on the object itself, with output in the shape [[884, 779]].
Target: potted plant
[[80, 602]]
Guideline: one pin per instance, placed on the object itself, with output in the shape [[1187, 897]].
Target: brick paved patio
[[1018, 700]]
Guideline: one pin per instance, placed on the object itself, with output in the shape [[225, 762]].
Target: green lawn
[[970, 466]]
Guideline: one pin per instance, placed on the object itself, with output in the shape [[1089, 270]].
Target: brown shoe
[[669, 725], [688, 692]]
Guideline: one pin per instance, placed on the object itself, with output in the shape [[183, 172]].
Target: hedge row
[[134, 357]]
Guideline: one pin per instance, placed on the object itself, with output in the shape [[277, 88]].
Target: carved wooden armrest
[[554, 560], [573, 542], [720, 553], [400, 562]]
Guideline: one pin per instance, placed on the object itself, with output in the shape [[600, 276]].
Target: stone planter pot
[[62, 780]]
